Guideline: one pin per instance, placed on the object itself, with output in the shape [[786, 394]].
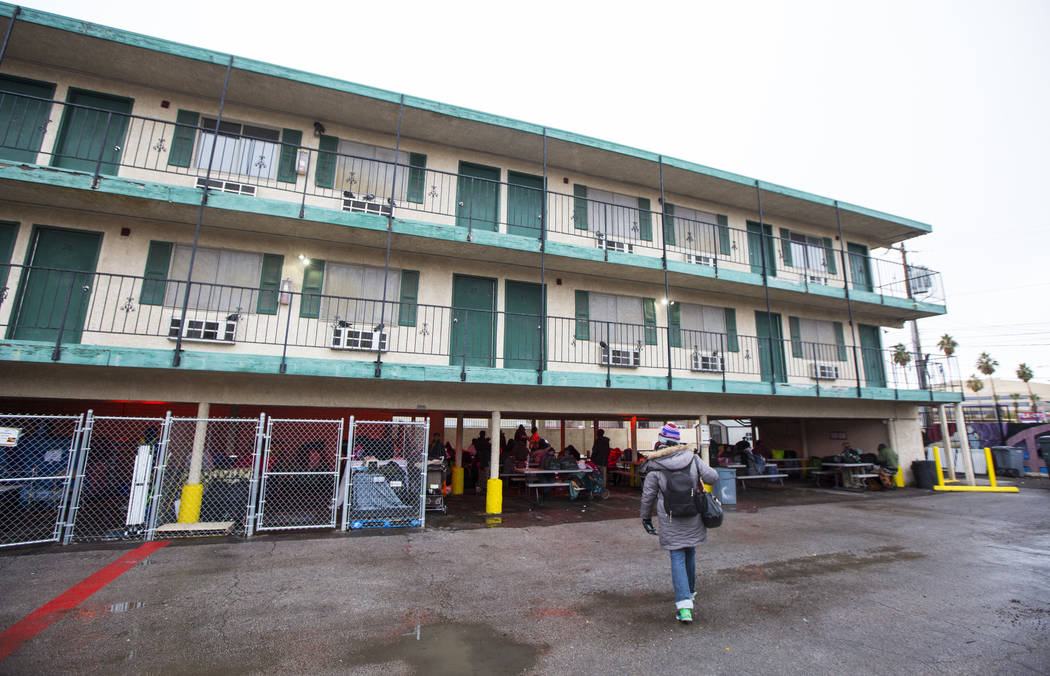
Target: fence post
[[160, 463], [101, 152], [306, 180], [257, 460], [348, 473], [77, 465], [463, 347]]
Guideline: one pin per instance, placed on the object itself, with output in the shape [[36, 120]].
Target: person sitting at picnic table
[[762, 449], [888, 465]]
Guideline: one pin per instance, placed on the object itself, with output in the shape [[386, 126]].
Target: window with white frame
[[695, 230], [703, 328], [223, 280], [369, 170], [242, 149], [353, 293], [616, 319], [613, 214], [819, 342], [808, 253]]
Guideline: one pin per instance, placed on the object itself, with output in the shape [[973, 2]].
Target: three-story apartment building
[[184, 226]]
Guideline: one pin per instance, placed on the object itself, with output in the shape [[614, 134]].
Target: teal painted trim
[[188, 195], [218, 58], [150, 358]]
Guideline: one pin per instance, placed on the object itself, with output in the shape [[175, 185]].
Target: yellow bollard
[[993, 488], [190, 505], [457, 481], [937, 459], [494, 496], [899, 477], [991, 468]]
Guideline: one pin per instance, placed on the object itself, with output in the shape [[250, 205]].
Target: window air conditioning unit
[[699, 259], [227, 186], [628, 357], [824, 372], [366, 206], [708, 363], [817, 279], [920, 280], [205, 330], [613, 245], [346, 338]]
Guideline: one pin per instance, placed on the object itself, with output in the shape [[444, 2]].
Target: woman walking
[[680, 535]]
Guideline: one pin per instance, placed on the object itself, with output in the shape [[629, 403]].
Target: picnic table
[[547, 478], [848, 474]]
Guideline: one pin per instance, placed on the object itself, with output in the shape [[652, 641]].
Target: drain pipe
[[389, 234]]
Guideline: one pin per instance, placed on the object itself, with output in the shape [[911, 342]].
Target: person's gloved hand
[[648, 525]]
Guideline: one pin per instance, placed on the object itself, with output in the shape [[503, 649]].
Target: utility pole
[[920, 361]]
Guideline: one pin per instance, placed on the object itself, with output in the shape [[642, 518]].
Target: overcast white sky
[[932, 110]]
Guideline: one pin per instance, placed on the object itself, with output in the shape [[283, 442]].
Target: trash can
[[726, 486], [925, 472], [1008, 460]]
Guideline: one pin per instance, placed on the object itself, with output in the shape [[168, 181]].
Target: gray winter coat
[[679, 532]]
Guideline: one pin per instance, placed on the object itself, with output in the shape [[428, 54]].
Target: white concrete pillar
[[705, 449], [946, 438], [494, 427], [964, 443], [199, 436]]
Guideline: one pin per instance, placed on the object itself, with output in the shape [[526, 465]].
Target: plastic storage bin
[[726, 485]]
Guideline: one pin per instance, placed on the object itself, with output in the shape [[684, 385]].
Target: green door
[[770, 346], [871, 355], [85, 132], [524, 204], [57, 289], [754, 248], [521, 331], [477, 197], [473, 320], [859, 267], [23, 121]]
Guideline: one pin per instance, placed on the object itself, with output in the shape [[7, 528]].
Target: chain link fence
[[37, 454], [384, 476], [219, 455], [113, 486], [299, 480]]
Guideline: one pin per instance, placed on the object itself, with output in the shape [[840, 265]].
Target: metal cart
[[436, 487]]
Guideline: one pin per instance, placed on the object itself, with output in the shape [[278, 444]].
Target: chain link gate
[[384, 479], [222, 454], [299, 481], [37, 456], [113, 488]]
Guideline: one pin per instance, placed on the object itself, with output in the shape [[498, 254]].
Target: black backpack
[[682, 495]]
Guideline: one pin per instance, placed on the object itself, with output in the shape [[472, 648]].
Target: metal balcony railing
[[64, 307], [255, 162]]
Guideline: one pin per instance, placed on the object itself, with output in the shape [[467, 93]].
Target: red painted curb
[[52, 611]]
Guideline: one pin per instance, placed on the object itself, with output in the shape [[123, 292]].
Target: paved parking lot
[[920, 583]]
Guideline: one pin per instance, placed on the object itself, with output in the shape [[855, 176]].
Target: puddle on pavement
[[91, 612], [452, 649], [819, 564]]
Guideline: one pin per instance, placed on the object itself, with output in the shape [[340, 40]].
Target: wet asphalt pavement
[[912, 582]]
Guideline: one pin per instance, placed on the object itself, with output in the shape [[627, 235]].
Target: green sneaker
[[685, 615]]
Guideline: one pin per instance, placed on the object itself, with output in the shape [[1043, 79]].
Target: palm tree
[[986, 365], [1035, 399], [1016, 396], [975, 384], [1024, 374], [947, 345]]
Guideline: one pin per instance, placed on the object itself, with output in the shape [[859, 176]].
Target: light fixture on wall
[[318, 129], [304, 259]]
